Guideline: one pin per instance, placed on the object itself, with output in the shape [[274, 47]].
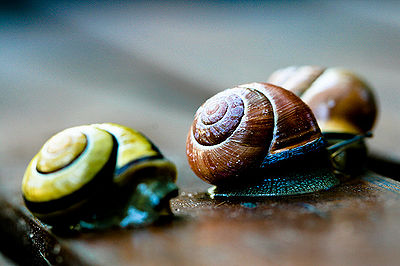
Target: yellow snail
[[343, 104], [258, 140], [97, 176]]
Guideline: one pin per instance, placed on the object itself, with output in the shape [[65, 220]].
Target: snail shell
[[83, 170], [343, 104], [341, 101], [249, 129]]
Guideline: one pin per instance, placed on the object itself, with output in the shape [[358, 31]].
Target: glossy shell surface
[[248, 127], [49, 176]]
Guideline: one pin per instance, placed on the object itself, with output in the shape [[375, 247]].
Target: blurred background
[[150, 65]]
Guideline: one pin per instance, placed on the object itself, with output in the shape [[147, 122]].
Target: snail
[[343, 104], [97, 176], [257, 140], [340, 100]]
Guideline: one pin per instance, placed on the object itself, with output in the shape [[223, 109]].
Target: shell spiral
[[247, 127]]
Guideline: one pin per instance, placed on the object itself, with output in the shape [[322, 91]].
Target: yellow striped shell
[[79, 167]]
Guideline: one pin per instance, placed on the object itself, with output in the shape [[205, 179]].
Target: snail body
[[344, 106], [249, 134], [88, 175]]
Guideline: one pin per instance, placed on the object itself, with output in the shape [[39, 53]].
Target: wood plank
[[351, 224], [354, 224]]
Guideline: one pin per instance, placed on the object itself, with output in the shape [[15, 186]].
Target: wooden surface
[[353, 224], [149, 66]]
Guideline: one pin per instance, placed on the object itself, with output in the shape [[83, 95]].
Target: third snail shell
[[340, 99], [343, 104]]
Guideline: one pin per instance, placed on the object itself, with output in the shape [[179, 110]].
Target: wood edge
[[26, 242]]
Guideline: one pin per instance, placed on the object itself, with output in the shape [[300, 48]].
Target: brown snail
[[258, 140], [340, 100], [97, 176], [343, 104]]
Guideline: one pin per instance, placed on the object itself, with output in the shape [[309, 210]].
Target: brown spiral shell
[[341, 101], [245, 127]]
